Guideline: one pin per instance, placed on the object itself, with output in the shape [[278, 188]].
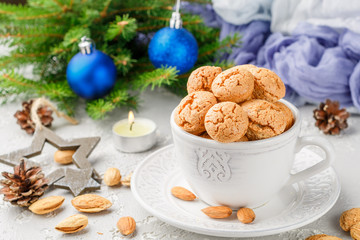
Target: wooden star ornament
[[78, 181], [83, 178]]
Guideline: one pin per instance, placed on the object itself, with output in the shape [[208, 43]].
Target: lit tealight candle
[[134, 135]]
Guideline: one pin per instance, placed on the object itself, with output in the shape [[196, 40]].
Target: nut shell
[[316, 237], [327, 237], [112, 176], [126, 181], [90, 203], [355, 231], [349, 218], [46, 205], [72, 224], [126, 225]]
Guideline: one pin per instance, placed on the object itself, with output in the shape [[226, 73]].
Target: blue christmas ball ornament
[[173, 47], [91, 73]]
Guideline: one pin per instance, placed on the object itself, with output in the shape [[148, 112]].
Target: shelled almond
[[46, 205], [245, 215], [217, 212], [182, 193]]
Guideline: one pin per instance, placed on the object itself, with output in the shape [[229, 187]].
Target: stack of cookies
[[238, 104]]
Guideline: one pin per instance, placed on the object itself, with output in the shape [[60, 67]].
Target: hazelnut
[[112, 176], [349, 218]]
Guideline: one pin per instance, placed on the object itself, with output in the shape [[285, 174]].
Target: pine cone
[[329, 118], [24, 186], [24, 119]]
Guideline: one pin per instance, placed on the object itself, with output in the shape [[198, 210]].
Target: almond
[[126, 225], [72, 224], [217, 212], [245, 215], [90, 203], [349, 218], [46, 205], [183, 193], [64, 156], [112, 176], [127, 180]]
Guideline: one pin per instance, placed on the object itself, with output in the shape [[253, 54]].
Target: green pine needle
[[73, 36], [97, 109], [46, 33], [158, 77], [122, 26]]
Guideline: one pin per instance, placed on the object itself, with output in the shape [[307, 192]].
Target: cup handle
[[325, 145]]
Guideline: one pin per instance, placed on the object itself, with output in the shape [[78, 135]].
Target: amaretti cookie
[[246, 67], [289, 117], [202, 78], [205, 135], [243, 139], [234, 85], [190, 113], [268, 86], [265, 119], [226, 122]]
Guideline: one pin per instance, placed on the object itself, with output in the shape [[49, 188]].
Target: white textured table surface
[[19, 223]]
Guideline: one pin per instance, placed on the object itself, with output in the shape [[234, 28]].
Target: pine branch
[[45, 34], [158, 77], [74, 35], [179, 87], [97, 109], [123, 61], [153, 28], [57, 91], [16, 82], [31, 35], [207, 51], [122, 26], [13, 83], [141, 9], [222, 63]]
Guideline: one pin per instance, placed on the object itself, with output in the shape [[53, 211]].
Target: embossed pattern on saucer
[[293, 207]]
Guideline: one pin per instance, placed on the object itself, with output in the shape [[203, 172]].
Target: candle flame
[[131, 117]]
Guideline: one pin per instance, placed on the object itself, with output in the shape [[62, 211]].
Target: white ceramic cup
[[244, 173]]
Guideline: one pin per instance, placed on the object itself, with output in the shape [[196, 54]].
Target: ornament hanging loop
[[175, 21], [41, 102], [87, 45]]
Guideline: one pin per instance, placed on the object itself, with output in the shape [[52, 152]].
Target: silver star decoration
[[83, 147], [77, 181]]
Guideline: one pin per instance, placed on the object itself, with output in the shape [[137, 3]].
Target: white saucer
[[293, 207]]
